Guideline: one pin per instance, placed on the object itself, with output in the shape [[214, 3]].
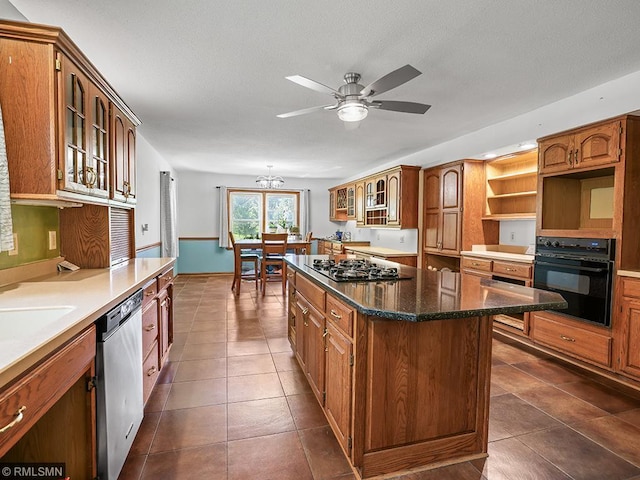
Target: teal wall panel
[[203, 256], [149, 253]]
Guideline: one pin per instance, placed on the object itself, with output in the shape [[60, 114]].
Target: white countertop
[[628, 273], [382, 251], [91, 293], [511, 257]]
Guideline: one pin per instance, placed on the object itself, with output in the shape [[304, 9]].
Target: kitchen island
[[402, 368]]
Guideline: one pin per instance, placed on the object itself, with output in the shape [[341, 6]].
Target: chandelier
[[269, 181]]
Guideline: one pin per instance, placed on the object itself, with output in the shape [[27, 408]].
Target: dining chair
[[272, 264], [246, 256], [307, 239]]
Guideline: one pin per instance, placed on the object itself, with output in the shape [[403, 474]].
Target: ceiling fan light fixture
[[352, 111]]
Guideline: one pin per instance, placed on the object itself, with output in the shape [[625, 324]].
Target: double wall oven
[[581, 270]]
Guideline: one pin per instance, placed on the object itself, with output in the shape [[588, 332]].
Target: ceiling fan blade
[[390, 80], [306, 110], [406, 107], [313, 85]]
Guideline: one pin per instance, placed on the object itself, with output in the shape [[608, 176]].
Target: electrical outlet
[[401, 238], [53, 241], [378, 236], [513, 236], [15, 245]]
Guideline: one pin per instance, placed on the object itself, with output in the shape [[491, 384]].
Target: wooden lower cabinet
[[578, 339], [338, 383], [387, 384], [157, 328], [58, 408], [627, 321]]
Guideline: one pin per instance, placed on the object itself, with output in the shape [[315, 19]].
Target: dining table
[[297, 245]]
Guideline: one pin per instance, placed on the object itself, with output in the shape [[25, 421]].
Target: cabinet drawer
[[630, 288], [150, 371], [165, 279], [149, 327], [312, 292], [340, 314], [40, 389], [585, 344], [521, 270], [149, 291], [476, 264]]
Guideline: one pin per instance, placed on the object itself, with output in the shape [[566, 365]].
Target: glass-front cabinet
[[386, 199], [84, 162]]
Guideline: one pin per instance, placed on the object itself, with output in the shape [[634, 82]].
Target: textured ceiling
[[207, 77]]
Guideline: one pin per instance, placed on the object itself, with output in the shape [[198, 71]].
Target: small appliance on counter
[[339, 235]]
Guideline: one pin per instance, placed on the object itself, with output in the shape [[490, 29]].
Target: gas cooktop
[[353, 270]]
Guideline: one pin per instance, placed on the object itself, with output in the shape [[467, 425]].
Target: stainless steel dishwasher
[[119, 402]]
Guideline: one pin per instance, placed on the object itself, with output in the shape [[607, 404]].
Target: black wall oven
[[579, 269]]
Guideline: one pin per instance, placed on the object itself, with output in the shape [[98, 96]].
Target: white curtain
[[305, 209], [6, 222], [224, 218], [168, 211]]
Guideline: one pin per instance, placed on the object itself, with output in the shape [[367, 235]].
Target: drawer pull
[[150, 327], [15, 421], [305, 310], [476, 264], [567, 339], [510, 269], [150, 293], [335, 314], [289, 275], [152, 370]]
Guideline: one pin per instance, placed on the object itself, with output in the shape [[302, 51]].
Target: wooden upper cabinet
[[386, 199], [393, 198], [453, 207], [586, 147], [360, 203], [56, 117], [84, 143], [123, 150]]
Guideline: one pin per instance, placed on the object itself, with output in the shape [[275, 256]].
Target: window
[[252, 212]]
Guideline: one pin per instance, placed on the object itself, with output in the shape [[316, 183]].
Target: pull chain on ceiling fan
[[354, 100]]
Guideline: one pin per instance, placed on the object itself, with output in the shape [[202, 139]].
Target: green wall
[[32, 224]]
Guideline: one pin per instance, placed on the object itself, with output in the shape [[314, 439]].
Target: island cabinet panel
[[407, 401], [412, 417], [339, 362]]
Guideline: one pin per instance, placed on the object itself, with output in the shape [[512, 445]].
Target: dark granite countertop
[[430, 295]]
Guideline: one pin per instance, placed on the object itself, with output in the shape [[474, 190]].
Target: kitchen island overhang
[[419, 361]]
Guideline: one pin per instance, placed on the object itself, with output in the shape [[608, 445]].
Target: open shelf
[[511, 187]]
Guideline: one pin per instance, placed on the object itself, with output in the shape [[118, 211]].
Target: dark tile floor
[[233, 404]]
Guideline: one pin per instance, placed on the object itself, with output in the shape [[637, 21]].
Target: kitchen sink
[[23, 322]]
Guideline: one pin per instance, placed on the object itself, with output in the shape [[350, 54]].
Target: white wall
[[9, 12], [148, 167], [198, 214]]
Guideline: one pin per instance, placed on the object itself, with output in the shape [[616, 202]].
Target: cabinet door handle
[[569, 156], [15, 421], [335, 314], [567, 339], [91, 177], [150, 327], [325, 333], [151, 371], [575, 156], [305, 310]]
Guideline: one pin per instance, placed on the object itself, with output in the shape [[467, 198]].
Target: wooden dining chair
[[246, 256], [272, 264], [306, 250]]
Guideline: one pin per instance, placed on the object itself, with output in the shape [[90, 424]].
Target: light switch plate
[[53, 242]]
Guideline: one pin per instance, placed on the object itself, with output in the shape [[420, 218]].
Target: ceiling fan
[[354, 100]]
